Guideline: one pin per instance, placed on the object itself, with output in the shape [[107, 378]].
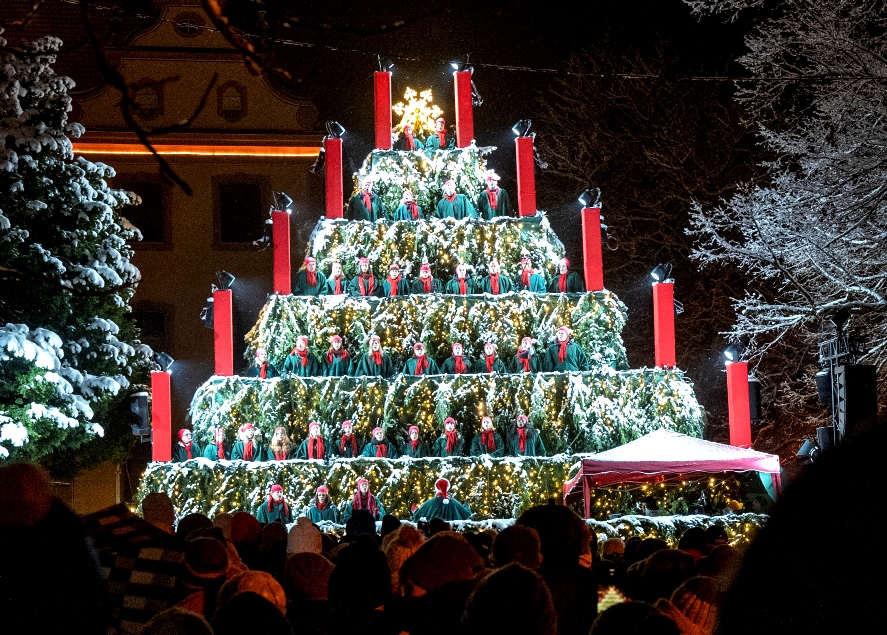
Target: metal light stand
[[835, 354]]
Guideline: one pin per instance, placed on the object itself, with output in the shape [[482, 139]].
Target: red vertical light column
[[464, 109], [161, 416], [737, 402], [526, 176], [592, 249], [281, 241], [663, 323], [223, 331], [334, 201], [382, 83]]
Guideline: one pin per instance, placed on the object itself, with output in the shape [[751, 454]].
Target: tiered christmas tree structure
[[575, 412]]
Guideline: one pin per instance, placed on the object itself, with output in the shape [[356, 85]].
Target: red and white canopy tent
[[664, 455]]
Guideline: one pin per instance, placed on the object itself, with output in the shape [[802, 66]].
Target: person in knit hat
[[321, 507], [274, 509], [408, 210], [457, 363], [245, 534], [520, 544], [494, 282], [442, 505], [425, 283], [261, 367], [525, 359], [206, 563], [440, 139], [407, 142], [489, 361], [375, 362], [493, 201], [309, 281], [281, 447], [363, 500], [304, 537], [693, 606], [565, 354], [414, 447], [178, 620], [364, 284], [314, 447], [487, 441], [337, 283], [261, 583], [566, 281], [347, 446], [158, 510], [461, 283], [454, 205], [445, 557], [306, 576], [496, 605], [420, 364], [379, 447], [528, 279], [366, 205], [523, 439], [450, 442], [248, 448], [396, 283], [185, 449], [217, 450], [337, 361], [399, 545], [301, 362]]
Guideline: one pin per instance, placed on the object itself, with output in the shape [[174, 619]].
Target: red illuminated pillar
[[592, 250], [334, 201], [526, 176], [281, 241], [383, 110], [161, 416], [663, 323], [223, 331], [737, 401], [464, 109]]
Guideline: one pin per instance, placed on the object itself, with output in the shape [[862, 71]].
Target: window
[[231, 101], [153, 328], [241, 215], [188, 24], [150, 216]]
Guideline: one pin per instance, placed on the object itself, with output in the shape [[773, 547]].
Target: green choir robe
[[407, 451], [576, 359], [366, 367], [503, 205], [480, 366], [574, 284], [401, 144], [370, 288], [260, 452], [369, 450], [211, 452], [486, 286], [449, 366], [537, 283], [478, 449], [348, 451], [279, 513], [440, 447], [403, 213], [270, 371], [330, 287], [403, 287], [179, 454], [535, 364], [417, 288], [454, 289], [292, 365], [409, 368], [349, 510], [300, 284], [432, 142], [459, 208], [338, 366], [533, 446], [358, 211], [302, 451], [330, 513], [446, 509]]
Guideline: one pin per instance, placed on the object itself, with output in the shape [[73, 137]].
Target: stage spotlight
[[282, 201], [267, 238], [385, 65], [476, 99], [591, 197], [662, 272], [733, 352], [140, 415], [319, 163], [207, 314], [225, 280], [165, 360], [462, 66], [334, 129], [809, 451], [522, 128]]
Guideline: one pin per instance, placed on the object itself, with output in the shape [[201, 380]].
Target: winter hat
[[246, 426], [612, 546], [411, 428], [490, 174], [156, 509], [524, 417], [455, 344], [389, 524], [665, 571], [260, 350], [245, 529], [306, 576], [223, 522], [363, 480], [693, 606], [322, 488], [347, 422], [309, 259], [303, 338], [442, 487], [335, 337], [565, 261], [192, 522], [182, 432], [304, 538], [495, 605], [176, 620], [258, 582], [276, 488], [451, 420], [399, 545], [206, 559], [250, 613], [565, 330], [313, 424], [393, 265], [376, 429], [527, 339], [363, 261], [425, 267], [445, 557], [418, 345], [517, 544]]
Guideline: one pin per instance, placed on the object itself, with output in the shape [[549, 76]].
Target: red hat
[[485, 417], [309, 259], [566, 261], [493, 344], [417, 345], [565, 329], [362, 480], [448, 420], [527, 339], [393, 265], [377, 429], [182, 432], [363, 261], [303, 337], [455, 344], [375, 337], [411, 428], [442, 487], [322, 488], [336, 337], [347, 422], [311, 424], [276, 488], [524, 417], [246, 426], [260, 349], [425, 267]]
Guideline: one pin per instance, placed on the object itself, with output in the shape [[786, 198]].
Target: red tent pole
[[464, 109], [223, 331], [281, 241], [663, 323], [161, 416], [737, 402], [592, 249], [382, 84], [334, 190]]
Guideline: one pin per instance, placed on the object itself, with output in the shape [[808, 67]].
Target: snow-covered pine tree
[[69, 353]]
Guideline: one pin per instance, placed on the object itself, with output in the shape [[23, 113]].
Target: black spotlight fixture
[[462, 66], [225, 279], [207, 314], [662, 272], [522, 128], [267, 238], [591, 197], [164, 360], [385, 64], [140, 414], [334, 129], [282, 201], [319, 164], [809, 451], [733, 352], [476, 99]]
